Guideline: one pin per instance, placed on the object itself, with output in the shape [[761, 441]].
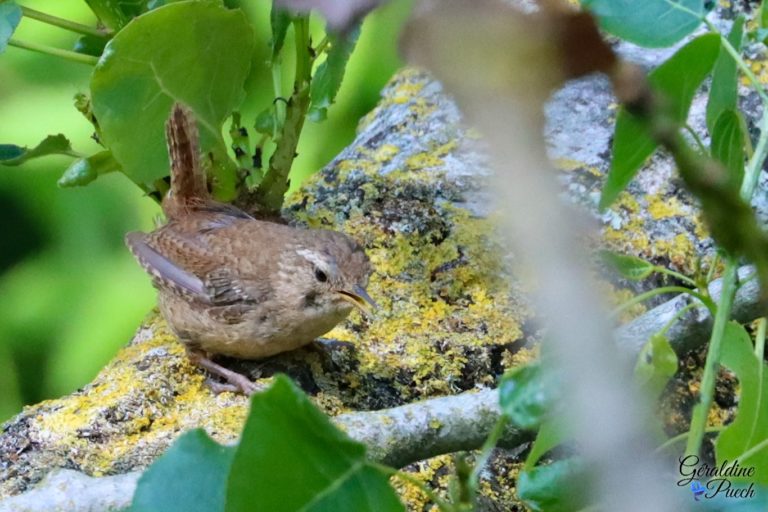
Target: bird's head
[[331, 271]]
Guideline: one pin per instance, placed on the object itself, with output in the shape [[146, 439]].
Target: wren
[[233, 285]]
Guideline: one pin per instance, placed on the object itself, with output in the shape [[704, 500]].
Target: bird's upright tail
[[189, 187]]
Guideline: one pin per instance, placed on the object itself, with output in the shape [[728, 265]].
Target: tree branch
[[693, 328], [418, 431]]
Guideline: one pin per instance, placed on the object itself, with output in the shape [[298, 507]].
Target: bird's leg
[[219, 387], [236, 382]]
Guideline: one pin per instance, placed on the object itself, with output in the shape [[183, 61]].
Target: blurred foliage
[[70, 294]]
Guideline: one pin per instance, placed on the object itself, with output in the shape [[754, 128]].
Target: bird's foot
[[235, 382], [246, 388]]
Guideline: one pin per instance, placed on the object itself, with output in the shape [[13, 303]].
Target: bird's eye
[[320, 275]]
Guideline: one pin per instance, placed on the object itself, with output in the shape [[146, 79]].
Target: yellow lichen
[[386, 152], [759, 67], [124, 410], [406, 92], [631, 237], [407, 87], [424, 160], [662, 207], [435, 473], [567, 165], [680, 252], [437, 300], [524, 356]]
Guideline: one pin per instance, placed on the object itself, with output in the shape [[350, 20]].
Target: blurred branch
[[340, 15]]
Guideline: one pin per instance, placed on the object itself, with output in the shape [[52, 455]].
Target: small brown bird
[[233, 285]]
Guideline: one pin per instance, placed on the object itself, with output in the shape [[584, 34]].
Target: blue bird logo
[[697, 489]]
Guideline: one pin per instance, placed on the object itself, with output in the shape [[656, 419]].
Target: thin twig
[[56, 52], [62, 23]]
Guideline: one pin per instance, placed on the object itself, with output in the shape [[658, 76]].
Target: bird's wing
[[226, 287], [184, 266], [164, 272]]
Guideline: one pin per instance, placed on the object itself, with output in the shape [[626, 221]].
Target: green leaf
[[292, 458], [630, 267], [265, 121], [656, 364], [763, 15], [751, 424], [649, 23], [280, 20], [528, 395], [550, 435], [85, 170], [760, 35], [727, 145], [148, 66], [90, 45], [556, 487], [676, 80], [13, 155], [190, 477], [10, 16], [327, 79], [724, 91], [10, 152], [115, 14], [109, 13]]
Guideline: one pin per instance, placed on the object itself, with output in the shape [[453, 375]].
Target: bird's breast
[[253, 333]]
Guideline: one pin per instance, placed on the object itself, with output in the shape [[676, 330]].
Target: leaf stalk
[[56, 52], [62, 23]]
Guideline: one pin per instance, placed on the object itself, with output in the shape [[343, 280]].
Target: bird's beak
[[359, 298]]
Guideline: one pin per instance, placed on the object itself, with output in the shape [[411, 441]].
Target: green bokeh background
[[70, 293]]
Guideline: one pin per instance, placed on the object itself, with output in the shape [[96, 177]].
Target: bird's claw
[[235, 382]]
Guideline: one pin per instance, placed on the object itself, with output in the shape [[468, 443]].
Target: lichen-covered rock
[[410, 190], [123, 420], [656, 218]]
